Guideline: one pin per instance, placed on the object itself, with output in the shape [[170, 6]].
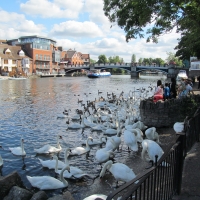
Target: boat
[[17, 78], [181, 75], [97, 74]]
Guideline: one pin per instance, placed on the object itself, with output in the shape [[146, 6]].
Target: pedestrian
[[173, 87], [187, 90], [166, 91], [158, 94], [198, 78]]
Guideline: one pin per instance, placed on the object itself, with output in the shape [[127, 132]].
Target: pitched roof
[[85, 56], [70, 53]]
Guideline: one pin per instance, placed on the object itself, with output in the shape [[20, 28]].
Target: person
[[173, 92], [187, 90], [158, 94], [198, 78], [181, 86], [166, 91]]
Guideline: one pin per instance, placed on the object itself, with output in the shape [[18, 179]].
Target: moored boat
[[98, 74]]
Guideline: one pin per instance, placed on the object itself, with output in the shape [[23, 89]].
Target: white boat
[[16, 78], [98, 74], [181, 74]]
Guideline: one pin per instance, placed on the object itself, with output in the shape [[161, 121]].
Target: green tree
[[102, 59], [172, 59], [140, 60], [133, 58], [92, 61], [133, 16]]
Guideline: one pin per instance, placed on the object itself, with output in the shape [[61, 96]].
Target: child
[[166, 91]]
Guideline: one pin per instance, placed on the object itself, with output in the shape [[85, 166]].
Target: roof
[[14, 55], [85, 56], [70, 53]]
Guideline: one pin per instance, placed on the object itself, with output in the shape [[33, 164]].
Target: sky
[[79, 25]]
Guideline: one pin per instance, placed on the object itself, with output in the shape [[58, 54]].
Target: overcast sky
[[79, 25]]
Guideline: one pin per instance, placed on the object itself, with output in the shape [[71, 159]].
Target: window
[[5, 61], [36, 56], [41, 56], [13, 61]]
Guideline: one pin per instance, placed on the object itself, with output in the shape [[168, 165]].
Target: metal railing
[[163, 180]]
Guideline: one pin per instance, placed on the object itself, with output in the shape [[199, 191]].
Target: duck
[[103, 155], [178, 127], [120, 171], [48, 182], [150, 149], [19, 151], [130, 140], [151, 134], [74, 172], [47, 149], [81, 150]]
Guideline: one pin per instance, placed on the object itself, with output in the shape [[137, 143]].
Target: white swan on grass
[[151, 134], [81, 150], [74, 172], [46, 149], [103, 155], [48, 182], [120, 171], [130, 140], [178, 127], [19, 151]]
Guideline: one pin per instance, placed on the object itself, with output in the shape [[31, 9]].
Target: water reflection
[[29, 109]]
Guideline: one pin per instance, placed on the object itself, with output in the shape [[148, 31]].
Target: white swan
[[139, 134], [103, 155], [139, 125], [130, 140], [19, 151], [48, 182], [46, 149], [1, 161], [151, 134], [81, 150], [75, 172], [150, 149], [178, 127], [76, 125], [99, 141], [96, 196], [120, 171]]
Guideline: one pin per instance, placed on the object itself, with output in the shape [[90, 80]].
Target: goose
[[150, 149], [48, 182], [120, 171], [151, 134], [46, 149], [130, 140], [81, 150], [19, 151], [103, 155], [178, 127], [96, 197], [75, 172], [1, 161]]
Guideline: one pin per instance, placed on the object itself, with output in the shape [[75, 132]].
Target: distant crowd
[[173, 90]]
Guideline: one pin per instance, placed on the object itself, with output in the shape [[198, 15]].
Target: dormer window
[[21, 53], [8, 52]]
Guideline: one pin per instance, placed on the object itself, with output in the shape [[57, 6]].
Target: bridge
[[133, 69]]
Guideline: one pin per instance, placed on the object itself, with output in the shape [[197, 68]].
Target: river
[[30, 109]]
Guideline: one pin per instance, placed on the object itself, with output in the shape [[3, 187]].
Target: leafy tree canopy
[[115, 59], [102, 59], [172, 59], [92, 61], [133, 59], [161, 16]]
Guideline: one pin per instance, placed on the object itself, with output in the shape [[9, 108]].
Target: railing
[[163, 180]]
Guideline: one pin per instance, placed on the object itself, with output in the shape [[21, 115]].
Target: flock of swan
[[119, 121]]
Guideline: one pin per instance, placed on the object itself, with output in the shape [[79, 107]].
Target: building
[[194, 69], [13, 60]]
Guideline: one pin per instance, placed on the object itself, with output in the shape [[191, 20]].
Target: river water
[[30, 109]]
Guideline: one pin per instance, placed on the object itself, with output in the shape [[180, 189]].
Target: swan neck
[[56, 167], [66, 158], [62, 178], [22, 147]]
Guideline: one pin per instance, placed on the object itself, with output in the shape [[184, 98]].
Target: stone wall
[[166, 113]]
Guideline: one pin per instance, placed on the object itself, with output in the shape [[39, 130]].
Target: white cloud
[[55, 9], [76, 29]]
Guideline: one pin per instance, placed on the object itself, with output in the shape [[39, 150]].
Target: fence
[[163, 180]]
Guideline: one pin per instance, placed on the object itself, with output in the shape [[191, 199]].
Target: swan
[[99, 141], [103, 155], [48, 182], [139, 134], [19, 151], [76, 125], [178, 127], [46, 149], [96, 197], [81, 150], [120, 171], [152, 149], [1, 161], [130, 140], [151, 134], [139, 125], [75, 172]]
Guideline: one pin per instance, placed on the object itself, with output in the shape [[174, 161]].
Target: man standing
[[198, 78]]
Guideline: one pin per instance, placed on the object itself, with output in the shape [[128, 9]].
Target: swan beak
[[68, 169], [60, 137]]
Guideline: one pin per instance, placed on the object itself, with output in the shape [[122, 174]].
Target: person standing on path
[[173, 92]]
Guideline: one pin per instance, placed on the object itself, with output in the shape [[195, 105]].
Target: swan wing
[[96, 196], [52, 163], [17, 151], [78, 151]]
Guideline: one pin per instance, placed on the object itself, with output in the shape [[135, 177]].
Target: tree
[[133, 59], [134, 15], [102, 59], [115, 59], [172, 59], [92, 61], [140, 60]]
